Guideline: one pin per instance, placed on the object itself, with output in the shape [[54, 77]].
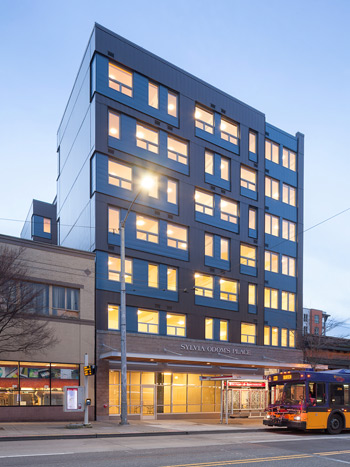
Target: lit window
[[209, 162], [223, 330], [271, 225], [119, 175], [172, 279], [224, 249], [209, 328], [204, 120], [229, 131], [171, 191], [176, 325], [288, 230], [209, 245], [120, 79], [271, 261], [177, 150], [228, 290], [248, 333], [204, 202], [172, 104], [229, 211], [147, 229], [113, 317], [47, 225], [291, 338], [274, 340], [147, 138], [271, 298], [113, 125], [248, 178], [252, 142], [289, 195], [284, 337], [272, 151], [272, 188], [288, 266], [153, 95], [248, 256], [266, 335], [225, 168], [177, 236], [252, 218], [153, 190], [153, 274], [113, 220], [114, 269], [252, 294], [147, 321], [289, 159], [204, 285], [288, 301]]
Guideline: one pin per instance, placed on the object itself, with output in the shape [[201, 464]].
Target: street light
[[146, 183]]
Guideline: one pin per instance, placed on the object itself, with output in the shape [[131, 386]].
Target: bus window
[[346, 394], [336, 394], [276, 393], [317, 394]]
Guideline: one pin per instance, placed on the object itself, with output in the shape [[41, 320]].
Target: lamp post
[[146, 184]]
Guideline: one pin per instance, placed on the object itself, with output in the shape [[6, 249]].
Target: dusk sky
[[288, 59]]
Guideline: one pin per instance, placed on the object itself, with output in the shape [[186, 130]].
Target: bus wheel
[[335, 424]]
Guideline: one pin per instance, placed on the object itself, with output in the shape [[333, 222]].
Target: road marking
[[41, 454]]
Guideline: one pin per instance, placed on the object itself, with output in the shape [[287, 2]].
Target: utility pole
[[86, 392]]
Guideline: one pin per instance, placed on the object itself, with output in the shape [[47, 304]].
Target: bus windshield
[[287, 394]]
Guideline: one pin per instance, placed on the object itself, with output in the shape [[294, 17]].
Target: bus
[[309, 400]]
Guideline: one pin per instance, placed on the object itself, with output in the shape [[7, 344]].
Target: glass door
[[148, 402]]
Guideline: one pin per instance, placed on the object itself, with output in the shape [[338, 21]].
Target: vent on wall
[[156, 305], [170, 216], [223, 111], [267, 133], [111, 151], [111, 247], [170, 128], [212, 106], [169, 307], [111, 54], [157, 122], [157, 213], [223, 191]]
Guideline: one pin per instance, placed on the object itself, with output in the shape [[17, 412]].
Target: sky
[[287, 58]]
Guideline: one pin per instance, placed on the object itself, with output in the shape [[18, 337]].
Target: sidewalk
[[109, 429]]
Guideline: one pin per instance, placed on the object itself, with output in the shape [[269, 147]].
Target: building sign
[[73, 399], [246, 384], [214, 349]]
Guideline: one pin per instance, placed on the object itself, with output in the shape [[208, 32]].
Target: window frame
[[269, 188], [155, 87], [271, 156], [245, 260], [121, 85], [287, 159], [248, 336], [225, 135], [228, 296], [120, 181], [272, 260], [204, 208], [149, 236], [287, 198], [142, 142], [176, 328], [226, 216], [270, 296], [247, 184], [270, 223], [201, 124], [176, 240], [202, 291], [288, 224], [148, 325], [180, 157]]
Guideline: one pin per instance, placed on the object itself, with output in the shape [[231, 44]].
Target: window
[[147, 229], [266, 335], [316, 331], [209, 245], [224, 249], [113, 317], [248, 179], [210, 165], [289, 195], [288, 301], [288, 230], [223, 330], [119, 175], [177, 150], [289, 159], [172, 104], [306, 318], [113, 124], [64, 298], [252, 294], [225, 168], [252, 218], [271, 225], [288, 266], [272, 188], [291, 338], [317, 319], [172, 279], [147, 321], [47, 225], [204, 202], [271, 261], [171, 191], [252, 142], [336, 394], [271, 298], [153, 95], [209, 162], [284, 337], [204, 285], [177, 236], [248, 256], [113, 220], [204, 120], [153, 274], [147, 138], [120, 79], [229, 211], [228, 290], [153, 190], [229, 131], [114, 269], [274, 340], [248, 333], [175, 325], [209, 328], [272, 151]]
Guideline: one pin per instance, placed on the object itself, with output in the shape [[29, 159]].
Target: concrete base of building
[[42, 414]]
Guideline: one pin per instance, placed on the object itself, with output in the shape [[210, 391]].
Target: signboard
[[73, 399], [246, 384], [89, 370]]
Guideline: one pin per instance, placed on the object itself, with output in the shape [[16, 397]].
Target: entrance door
[[148, 401]]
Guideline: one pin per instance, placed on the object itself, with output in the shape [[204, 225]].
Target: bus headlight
[[297, 418]]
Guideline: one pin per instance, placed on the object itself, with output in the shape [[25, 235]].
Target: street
[[270, 448]]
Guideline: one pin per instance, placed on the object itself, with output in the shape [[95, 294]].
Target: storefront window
[[8, 384], [62, 375]]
